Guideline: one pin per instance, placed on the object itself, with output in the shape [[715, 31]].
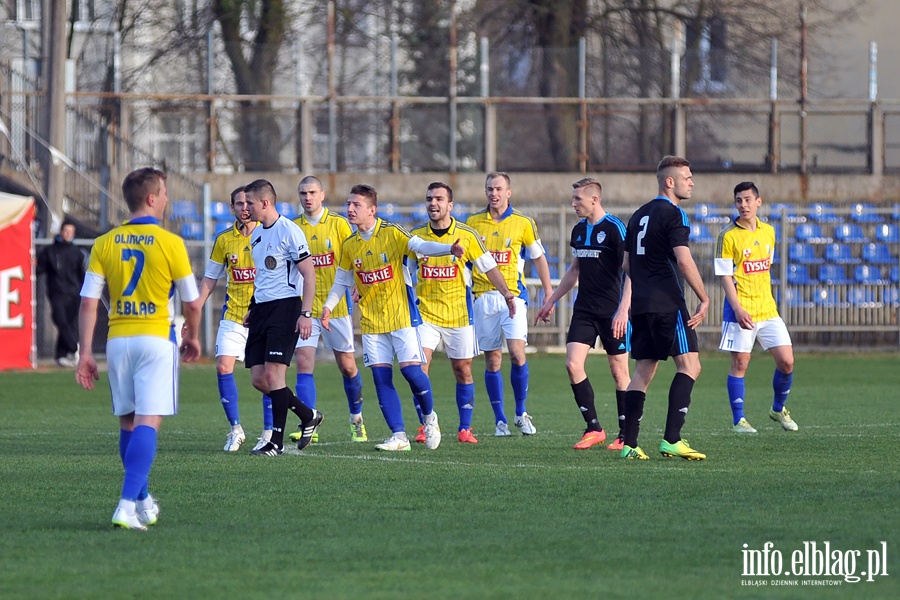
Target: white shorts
[[143, 375], [459, 342], [340, 338], [381, 348], [231, 339], [771, 334], [492, 319]]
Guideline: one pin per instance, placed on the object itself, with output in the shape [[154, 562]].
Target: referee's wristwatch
[[306, 313]]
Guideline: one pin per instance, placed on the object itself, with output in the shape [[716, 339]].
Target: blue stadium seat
[[700, 233], [823, 213], [192, 230], [709, 213], [799, 275], [868, 274], [833, 274], [797, 297], [864, 213], [891, 296], [895, 274], [223, 226], [803, 253], [877, 254], [849, 233], [286, 209], [783, 209], [221, 211], [887, 233], [895, 212], [841, 254], [861, 296], [185, 210], [809, 232], [828, 297]]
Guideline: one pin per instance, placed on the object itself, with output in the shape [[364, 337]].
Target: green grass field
[[510, 517]]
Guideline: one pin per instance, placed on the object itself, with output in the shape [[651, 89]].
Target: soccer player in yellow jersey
[[142, 264], [375, 260], [326, 231], [231, 258], [743, 261], [444, 289], [510, 236]]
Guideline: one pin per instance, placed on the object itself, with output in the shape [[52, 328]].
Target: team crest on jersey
[[383, 257], [508, 242], [483, 239], [328, 243], [747, 252], [601, 236], [271, 263], [358, 263], [424, 260], [233, 259]]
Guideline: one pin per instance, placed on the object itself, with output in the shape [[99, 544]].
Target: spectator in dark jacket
[[63, 265]]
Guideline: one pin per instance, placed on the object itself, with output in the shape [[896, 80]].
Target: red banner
[[17, 349]]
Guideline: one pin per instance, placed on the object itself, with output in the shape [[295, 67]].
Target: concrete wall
[[618, 188]]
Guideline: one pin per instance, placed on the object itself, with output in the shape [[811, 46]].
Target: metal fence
[[836, 272]]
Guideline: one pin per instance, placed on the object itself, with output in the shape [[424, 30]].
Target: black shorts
[[272, 332], [657, 336], [585, 329]]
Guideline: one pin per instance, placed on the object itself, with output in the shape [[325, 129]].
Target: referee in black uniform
[[659, 262]]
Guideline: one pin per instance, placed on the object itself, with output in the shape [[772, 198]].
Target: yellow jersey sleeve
[[325, 241]]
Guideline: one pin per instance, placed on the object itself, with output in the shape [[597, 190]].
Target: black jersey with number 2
[[599, 249], [654, 231]]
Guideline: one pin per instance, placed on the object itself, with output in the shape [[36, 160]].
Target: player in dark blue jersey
[[601, 307], [659, 261]]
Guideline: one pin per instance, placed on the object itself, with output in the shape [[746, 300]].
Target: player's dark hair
[[309, 180], [669, 162], [744, 186], [139, 184], [586, 182], [502, 174], [261, 188], [366, 191], [440, 184], [235, 192]]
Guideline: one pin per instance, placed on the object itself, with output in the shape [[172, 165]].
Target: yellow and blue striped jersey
[[232, 250], [747, 256], [444, 283], [140, 261], [387, 301], [506, 240], [325, 241]]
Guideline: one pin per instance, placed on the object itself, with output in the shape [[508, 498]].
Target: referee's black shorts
[[272, 332], [585, 329], [657, 336]]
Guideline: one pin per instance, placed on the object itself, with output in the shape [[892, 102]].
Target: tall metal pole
[[774, 155], [452, 92], [332, 102], [53, 74], [803, 89]]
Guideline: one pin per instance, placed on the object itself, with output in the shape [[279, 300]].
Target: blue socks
[[306, 389], [493, 381], [388, 399], [140, 450], [228, 394], [420, 386], [124, 439], [736, 397], [518, 377], [353, 389], [781, 384], [268, 423], [465, 402]]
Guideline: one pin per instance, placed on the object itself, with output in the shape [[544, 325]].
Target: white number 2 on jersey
[[639, 242]]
